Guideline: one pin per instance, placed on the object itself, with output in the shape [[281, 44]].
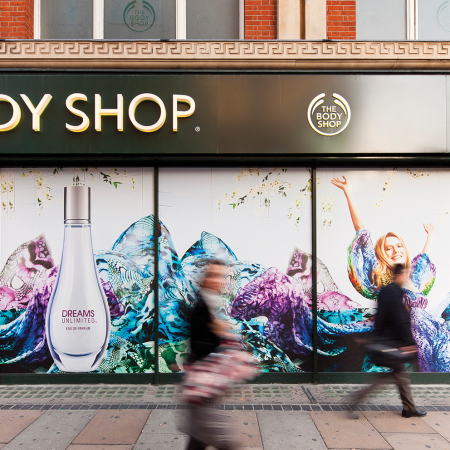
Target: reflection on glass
[[140, 19], [434, 20], [212, 19], [383, 20], [67, 19]]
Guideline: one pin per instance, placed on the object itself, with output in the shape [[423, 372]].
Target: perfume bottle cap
[[77, 204]]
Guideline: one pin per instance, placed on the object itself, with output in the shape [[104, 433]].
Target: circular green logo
[[139, 15]]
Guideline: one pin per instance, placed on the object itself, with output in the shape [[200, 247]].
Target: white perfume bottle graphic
[[77, 322]]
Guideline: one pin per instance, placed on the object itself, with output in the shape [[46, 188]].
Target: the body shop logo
[[139, 15], [443, 15], [329, 119]]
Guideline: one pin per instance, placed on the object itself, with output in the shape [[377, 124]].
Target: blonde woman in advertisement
[[370, 268]]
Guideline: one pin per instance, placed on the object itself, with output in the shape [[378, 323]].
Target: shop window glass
[[32, 233], [140, 19], [212, 19], [405, 208], [380, 20], [66, 19], [258, 221], [433, 20]]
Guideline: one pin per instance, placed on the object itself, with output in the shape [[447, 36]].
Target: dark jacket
[[203, 340], [392, 321]]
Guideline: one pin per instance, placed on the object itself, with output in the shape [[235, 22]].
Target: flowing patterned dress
[[362, 262], [430, 333]]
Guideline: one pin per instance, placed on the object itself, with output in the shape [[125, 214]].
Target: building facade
[[303, 142]]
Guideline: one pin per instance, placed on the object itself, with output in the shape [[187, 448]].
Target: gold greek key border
[[237, 54]]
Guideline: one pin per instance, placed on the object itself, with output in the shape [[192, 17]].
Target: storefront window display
[[256, 220], [31, 246], [369, 221]]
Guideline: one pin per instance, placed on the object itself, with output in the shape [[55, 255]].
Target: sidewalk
[[269, 417]]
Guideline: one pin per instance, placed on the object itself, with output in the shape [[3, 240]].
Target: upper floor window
[[212, 19], [392, 20], [153, 19], [66, 19], [139, 19], [381, 20], [433, 20]]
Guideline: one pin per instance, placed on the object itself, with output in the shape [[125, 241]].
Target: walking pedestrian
[[393, 344], [207, 425]]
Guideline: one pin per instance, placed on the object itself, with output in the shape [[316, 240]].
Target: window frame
[[98, 31], [412, 32], [37, 19]]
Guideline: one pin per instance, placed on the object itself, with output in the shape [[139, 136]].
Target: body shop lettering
[[38, 112]]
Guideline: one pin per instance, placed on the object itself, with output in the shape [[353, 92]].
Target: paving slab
[[100, 447], [439, 421], [413, 441], [164, 421], [246, 427], [163, 441], [14, 422], [338, 431], [110, 427], [163, 431], [54, 430], [393, 422], [285, 429]]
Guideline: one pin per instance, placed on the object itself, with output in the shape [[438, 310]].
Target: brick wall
[[17, 19], [341, 19], [260, 19]]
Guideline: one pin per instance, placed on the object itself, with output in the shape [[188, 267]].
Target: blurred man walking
[[393, 345]]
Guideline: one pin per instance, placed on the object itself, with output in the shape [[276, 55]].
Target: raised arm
[[429, 228], [347, 188]]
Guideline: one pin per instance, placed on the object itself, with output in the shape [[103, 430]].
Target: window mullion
[[181, 19], [411, 19], [99, 19], [37, 19], [416, 19], [241, 19]]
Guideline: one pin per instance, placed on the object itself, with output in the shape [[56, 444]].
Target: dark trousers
[[399, 377], [196, 445]]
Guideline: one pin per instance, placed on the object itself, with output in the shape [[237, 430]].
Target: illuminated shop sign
[[38, 110], [202, 113], [329, 119]]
